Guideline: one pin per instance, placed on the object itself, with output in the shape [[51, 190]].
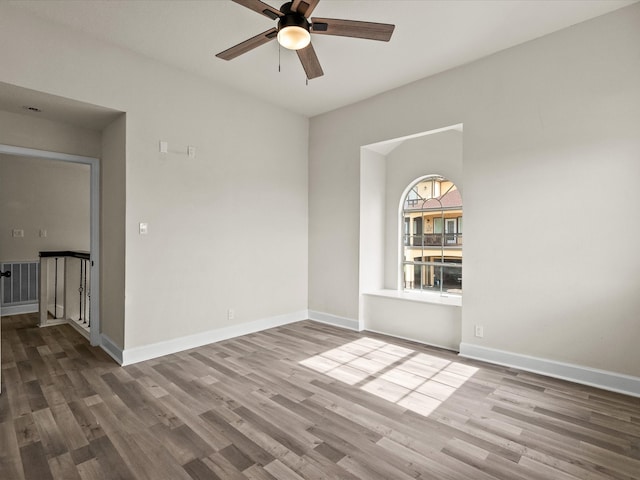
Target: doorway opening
[[91, 266]]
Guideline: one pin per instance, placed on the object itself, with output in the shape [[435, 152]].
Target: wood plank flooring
[[304, 401]]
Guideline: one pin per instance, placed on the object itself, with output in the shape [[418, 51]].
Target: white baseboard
[[334, 320], [56, 310], [79, 329], [422, 342], [147, 352], [606, 380], [19, 309], [52, 322], [111, 348]]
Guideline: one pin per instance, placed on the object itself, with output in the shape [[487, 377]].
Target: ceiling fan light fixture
[[294, 30], [294, 37]]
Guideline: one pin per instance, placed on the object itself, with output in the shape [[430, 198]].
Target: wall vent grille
[[22, 287]]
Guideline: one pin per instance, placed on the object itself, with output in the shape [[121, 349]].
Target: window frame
[[443, 261]]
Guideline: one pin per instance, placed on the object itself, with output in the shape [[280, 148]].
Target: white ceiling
[[430, 36]]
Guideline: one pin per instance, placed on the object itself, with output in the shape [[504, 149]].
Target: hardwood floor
[[300, 401]]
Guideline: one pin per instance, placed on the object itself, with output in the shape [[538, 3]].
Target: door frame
[[448, 222], [94, 242]]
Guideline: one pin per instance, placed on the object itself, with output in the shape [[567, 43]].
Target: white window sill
[[421, 297]]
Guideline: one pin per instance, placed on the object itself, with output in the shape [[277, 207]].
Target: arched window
[[432, 237]]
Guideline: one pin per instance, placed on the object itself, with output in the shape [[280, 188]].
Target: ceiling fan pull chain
[[279, 48]]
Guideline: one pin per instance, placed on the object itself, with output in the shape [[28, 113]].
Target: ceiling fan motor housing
[[291, 18]]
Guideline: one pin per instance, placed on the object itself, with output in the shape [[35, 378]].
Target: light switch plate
[[144, 228]]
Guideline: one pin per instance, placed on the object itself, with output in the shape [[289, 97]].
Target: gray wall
[[549, 126], [48, 195], [227, 229], [36, 193], [551, 158], [42, 134], [113, 230]]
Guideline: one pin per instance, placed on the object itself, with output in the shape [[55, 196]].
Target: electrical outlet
[[17, 233], [479, 331], [231, 314]]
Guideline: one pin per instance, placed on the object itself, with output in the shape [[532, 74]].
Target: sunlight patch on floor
[[416, 381]]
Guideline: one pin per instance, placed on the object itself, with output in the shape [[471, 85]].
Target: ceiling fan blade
[[353, 28], [248, 45], [304, 7], [310, 63], [261, 7]]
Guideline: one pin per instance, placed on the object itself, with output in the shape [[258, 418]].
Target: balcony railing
[[445, 278], [65, 289], [433, 240]]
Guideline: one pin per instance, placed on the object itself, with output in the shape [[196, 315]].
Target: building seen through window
[[432, 237]]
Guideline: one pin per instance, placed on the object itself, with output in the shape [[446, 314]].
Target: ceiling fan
[[294, 31]]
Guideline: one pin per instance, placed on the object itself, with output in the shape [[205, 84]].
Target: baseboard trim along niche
[[334, 320]]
